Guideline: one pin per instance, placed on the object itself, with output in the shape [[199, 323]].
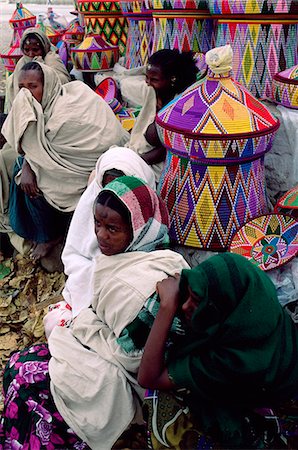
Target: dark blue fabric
[[33, 218]]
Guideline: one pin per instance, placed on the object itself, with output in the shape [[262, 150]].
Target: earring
[[173, 81]]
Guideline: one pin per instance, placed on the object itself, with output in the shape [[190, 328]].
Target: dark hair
[[36, 38], [107, 198], [112, 173], [33, 65], [172, 63]]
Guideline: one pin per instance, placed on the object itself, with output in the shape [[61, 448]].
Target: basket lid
[[268, 241], [288, 76], [20, 14], [217, 107], [289, 200], [94, 43]]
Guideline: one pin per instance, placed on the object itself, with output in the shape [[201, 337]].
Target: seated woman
[[81, 244], [237, 360], [84, 384], [59, 132], [36, 46], [168, 73]]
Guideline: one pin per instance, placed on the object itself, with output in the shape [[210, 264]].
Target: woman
[[239, 353], [36, 46], [168, 73], [59, 131], [81, 244], [91, 374]]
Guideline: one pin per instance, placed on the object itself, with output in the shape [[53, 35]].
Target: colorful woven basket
[[285, 87], [185, 25], [263, 35], [10, 57], [19, 21], [140, 32], [22, 18], [94, 54], [107, 89], [268, 241], [216, 134], [105, 19], [288, 203], [251, 6]]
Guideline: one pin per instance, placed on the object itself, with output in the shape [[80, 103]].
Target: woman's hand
[[28, 181], [168, 291]]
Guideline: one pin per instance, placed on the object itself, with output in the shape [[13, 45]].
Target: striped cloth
[[149, 215]]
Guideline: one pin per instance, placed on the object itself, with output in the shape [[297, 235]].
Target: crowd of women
[[211, 345]]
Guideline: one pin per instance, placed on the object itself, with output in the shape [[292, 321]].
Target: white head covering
[[81, 244], [220, 59]]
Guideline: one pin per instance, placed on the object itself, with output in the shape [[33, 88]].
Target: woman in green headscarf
[[239, 352]]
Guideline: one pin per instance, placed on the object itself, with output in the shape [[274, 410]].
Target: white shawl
[[137, 141], [63, 136], [92, 379], [81, 244]]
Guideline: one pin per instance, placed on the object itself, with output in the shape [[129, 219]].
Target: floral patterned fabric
[[30, 420]]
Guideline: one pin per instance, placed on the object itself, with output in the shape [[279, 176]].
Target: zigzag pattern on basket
[[98, 7], [267, 241], [260, 51], [285, 87], [139, 42], [112, 29], [249, 6], [22, 18], [184, 33], [179, 4], [214, 149], [207, 204]]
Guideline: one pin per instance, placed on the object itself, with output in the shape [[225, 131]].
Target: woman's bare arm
[[153, 372]]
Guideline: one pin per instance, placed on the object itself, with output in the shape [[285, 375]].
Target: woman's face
[[32, 80], [32, 47], [156, 79], [112, 232], [190, 305]]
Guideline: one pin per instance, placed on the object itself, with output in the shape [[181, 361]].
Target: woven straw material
[[250, 6], [94, 54], [107, 89], [207, 204], [182, 30], [216, 134], [216, 118], [112, 29], [97, 7], [285, 87], [261, 47], [139, 41], [288, 203], [22, 18], [268, 241]]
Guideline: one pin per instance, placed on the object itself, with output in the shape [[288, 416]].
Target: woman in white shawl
[[81, 244], [92, 368], [36, 46], [59, 131]]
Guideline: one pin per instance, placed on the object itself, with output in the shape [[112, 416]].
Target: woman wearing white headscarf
[[60, 131], [36, 46], [81, 244]]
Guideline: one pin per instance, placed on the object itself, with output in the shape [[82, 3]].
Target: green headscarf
[[241, 350]]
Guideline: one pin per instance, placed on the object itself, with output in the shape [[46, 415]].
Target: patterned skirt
[[30, 420]]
